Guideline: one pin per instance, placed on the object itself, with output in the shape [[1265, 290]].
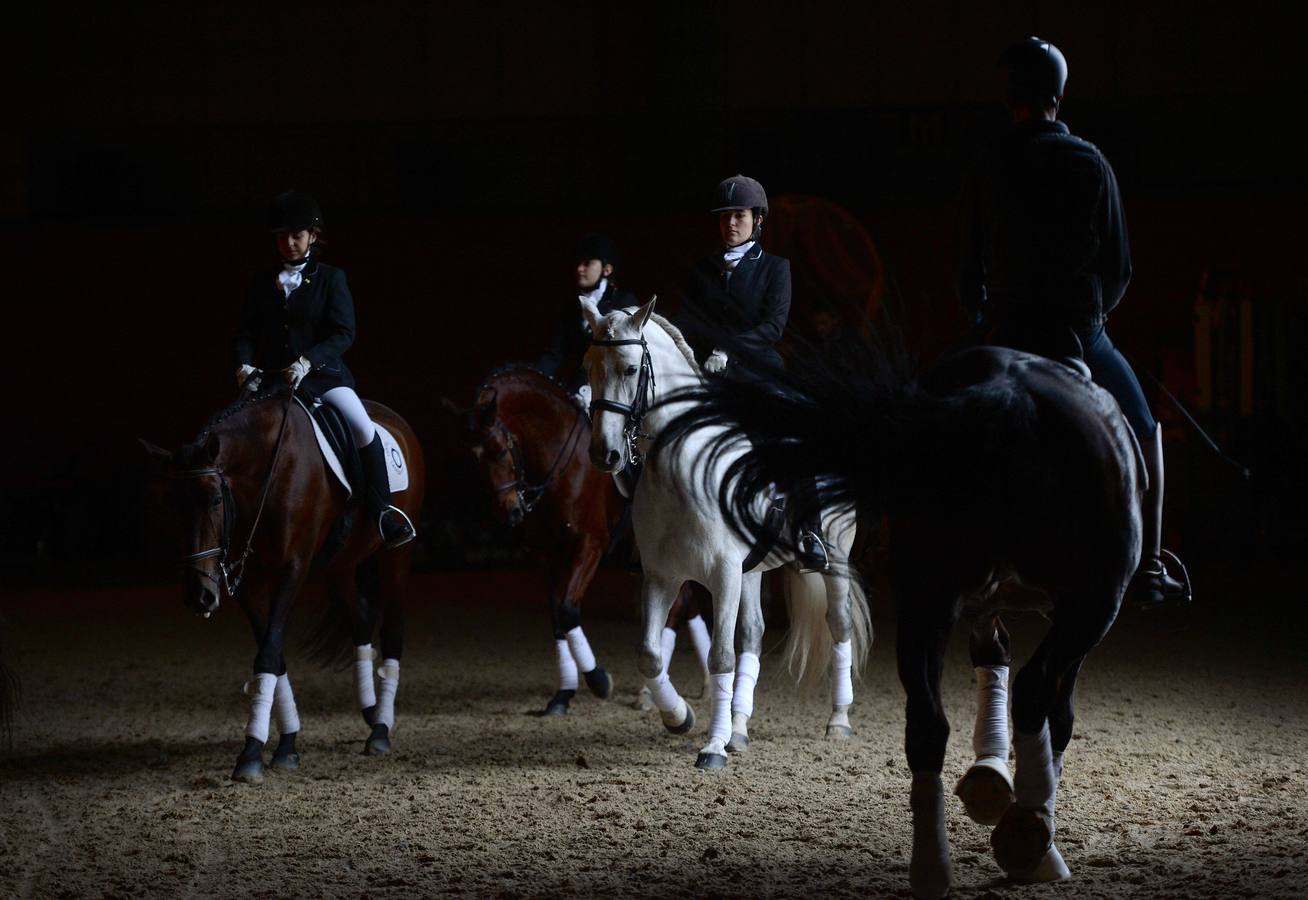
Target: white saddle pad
[[397, 468]]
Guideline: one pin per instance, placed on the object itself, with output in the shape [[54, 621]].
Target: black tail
[[837, 418]]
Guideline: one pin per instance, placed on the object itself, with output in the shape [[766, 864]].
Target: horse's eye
[[631, 370], [217, 502]]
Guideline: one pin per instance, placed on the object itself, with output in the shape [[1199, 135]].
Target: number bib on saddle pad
[[340, 440]]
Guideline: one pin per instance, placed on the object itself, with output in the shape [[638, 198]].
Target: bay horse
[[683, 535], [994, 466], [255, 479], [529, 440]]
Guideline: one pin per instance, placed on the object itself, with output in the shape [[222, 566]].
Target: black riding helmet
[[1036, 71], [740, 192], [294, 211], [597, 246]]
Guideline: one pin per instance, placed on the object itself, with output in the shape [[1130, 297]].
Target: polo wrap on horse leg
[[261, 691], [990, 734], [581, 651], [742, 699], [665, 696], [567, 666], [1034, 784], [288, 717], [842, 677], [720, 723], [669, 645], [700, 639], [363, 678], [389, 673]]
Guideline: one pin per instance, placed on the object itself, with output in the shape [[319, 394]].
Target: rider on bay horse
[[736, 305], [596, 260], [299, 320], [1046, 258]]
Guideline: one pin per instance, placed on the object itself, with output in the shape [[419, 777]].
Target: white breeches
[[345, 401]]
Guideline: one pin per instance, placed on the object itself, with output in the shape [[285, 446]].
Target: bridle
[[633, 413], [528, 494], [230, 573]]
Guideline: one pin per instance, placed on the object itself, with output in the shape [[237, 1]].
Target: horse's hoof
[[285, 762], [644, 700], [379, 742], [739, 743], [686, 723], [839, 732], [986, 790], [1021, 839], [558, 705], [711, 761], [1051, 868], [599, 682], [249, 771]]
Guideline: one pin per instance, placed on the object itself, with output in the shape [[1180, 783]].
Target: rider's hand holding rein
[[716, 362], [295, 372], [247, 376]]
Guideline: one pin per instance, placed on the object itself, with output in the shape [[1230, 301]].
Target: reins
[[530, 494]]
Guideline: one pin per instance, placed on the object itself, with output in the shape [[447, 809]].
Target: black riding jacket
[[571, 338], [1043, 233], [742, 311], [316, 321]]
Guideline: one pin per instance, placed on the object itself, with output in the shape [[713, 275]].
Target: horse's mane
[[673, 332], [520, 368], [239, 406]]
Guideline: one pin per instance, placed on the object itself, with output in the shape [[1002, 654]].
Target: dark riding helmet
[[1037, 73], [597, 246], [294, 211], [740, 192]]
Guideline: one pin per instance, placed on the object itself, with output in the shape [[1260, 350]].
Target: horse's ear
[[590, 312], [642, 315], [160, 460], [212, 447]]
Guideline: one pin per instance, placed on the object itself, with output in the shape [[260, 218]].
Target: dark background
[[460, 148]]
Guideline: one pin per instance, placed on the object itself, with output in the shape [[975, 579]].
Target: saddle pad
[[397, 469]]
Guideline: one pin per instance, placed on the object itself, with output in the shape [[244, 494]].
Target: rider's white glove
[[716, 362], [243, 376], [582, 398], [296, 371]]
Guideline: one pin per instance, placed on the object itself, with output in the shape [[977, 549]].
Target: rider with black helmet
[[298, 320], [736, 305], [1046, 258], [596, 261]]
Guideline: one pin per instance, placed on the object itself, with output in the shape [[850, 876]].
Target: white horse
[[683, 536]]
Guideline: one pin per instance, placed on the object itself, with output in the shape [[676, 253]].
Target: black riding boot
[[1153, 585], [808, 533], [395, 527]]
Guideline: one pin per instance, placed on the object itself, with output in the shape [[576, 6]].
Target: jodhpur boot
[[394, 525], [1153, 585]]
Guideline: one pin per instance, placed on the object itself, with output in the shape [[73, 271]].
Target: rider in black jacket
[[736, 305], [597, 260], [1045, 258], [298, 320]]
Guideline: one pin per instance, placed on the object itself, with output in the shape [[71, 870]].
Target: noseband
[[528, 494], [633, 413]]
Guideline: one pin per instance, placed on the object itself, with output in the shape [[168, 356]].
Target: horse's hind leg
[[697, 605], [392, 577], [840, 621], [1023, 839], [573, 649], [986, 789], [750, 633]]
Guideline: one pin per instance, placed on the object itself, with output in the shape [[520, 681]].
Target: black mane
[[244, 402]]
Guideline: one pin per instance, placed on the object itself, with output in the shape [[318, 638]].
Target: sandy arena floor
[[1187, 777]]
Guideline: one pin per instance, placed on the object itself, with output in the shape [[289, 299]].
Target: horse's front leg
[[657, 593], [925, 619], [571, 646], [269, 664], [724, 586], [750, 633], [840, 621], [986, 788]]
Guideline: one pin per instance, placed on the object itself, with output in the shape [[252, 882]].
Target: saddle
[[341, 454]]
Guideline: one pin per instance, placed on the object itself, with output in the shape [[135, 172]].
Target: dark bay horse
[[258, 508], [996, 465], [530, 441]]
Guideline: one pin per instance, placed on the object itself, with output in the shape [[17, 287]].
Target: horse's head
[[203, 507], [620, 371], [498, 455]]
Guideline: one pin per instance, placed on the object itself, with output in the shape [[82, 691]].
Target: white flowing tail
[[809, 641]]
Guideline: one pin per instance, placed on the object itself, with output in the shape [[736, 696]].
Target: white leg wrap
[[990, 734], [390, 683], [261, 691], [580, 648], [742, 700], [665, 696], [929, 869], [288, 718], [720, 724], [363, 676], [669, 644], [567, 666], [699, 637], [1034, 784], [842, 678]]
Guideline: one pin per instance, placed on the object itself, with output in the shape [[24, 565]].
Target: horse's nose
[[515, 515], [613, 459]]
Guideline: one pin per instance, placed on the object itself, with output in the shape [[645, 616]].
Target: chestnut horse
[[258, 507], [531, 441]]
